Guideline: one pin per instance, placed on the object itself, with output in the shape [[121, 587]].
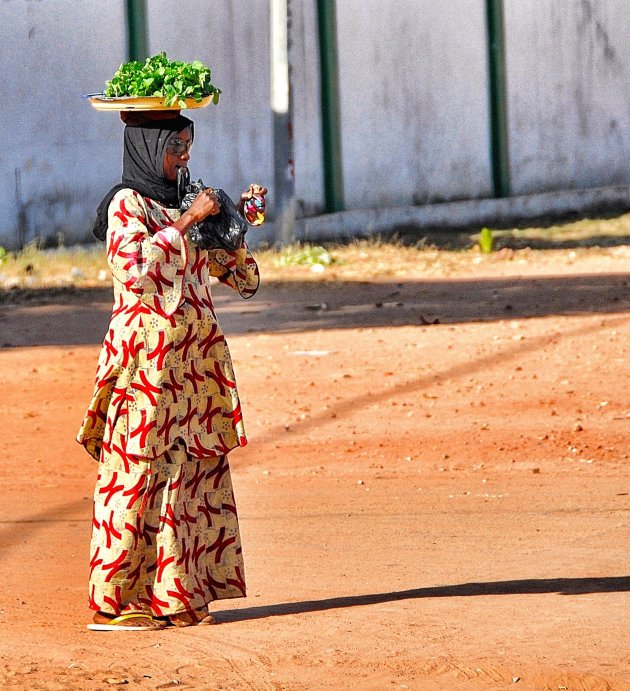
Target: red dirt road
[[423, 506]]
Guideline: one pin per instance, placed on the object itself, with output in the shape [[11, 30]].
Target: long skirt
[[165, 541]]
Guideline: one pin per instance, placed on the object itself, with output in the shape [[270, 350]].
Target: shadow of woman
[[561, 586]]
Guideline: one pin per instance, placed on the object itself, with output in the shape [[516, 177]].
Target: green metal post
[[498, 99], [331, 125], [137, 33]]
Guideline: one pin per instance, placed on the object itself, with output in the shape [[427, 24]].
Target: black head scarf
[[143, 161]]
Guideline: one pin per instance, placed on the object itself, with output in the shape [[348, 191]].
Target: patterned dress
[[164, 415]]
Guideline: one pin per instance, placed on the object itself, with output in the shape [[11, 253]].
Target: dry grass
[[553, 247]]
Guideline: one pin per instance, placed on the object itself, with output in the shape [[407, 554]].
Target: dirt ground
[[423, 505]]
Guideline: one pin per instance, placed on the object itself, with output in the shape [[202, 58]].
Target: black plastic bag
[[226, 230]]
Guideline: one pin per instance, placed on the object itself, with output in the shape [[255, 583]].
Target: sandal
[[118, 623], [195, 617]]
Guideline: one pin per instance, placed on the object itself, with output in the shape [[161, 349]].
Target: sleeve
[[150, 265], [237, 269]]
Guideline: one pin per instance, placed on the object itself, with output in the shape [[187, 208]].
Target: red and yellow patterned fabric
[[164, 372], [167, 542]]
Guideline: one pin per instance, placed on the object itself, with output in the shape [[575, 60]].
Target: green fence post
[[331, 123], [498, 99], [137, 32]]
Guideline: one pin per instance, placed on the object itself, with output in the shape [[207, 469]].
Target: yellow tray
[[101, 102]]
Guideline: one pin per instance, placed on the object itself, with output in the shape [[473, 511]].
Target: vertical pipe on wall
[[331, 124], [498, 99], [137, 33]]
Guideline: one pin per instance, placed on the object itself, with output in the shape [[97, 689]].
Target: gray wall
[[568, 66], [414, 101], [56, 156], [414, 107]]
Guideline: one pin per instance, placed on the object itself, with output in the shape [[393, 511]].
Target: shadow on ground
[[74, 317], [561, 586]]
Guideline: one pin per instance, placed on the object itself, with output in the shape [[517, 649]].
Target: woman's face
[[177, 153]]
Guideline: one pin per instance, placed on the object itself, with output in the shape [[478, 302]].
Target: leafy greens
[[158, 76]]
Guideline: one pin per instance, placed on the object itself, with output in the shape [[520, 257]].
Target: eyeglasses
[[178, 146]]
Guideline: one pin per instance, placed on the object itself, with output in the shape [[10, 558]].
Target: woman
[[165, 411]]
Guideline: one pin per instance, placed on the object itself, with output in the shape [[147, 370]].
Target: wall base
[[496, 213]]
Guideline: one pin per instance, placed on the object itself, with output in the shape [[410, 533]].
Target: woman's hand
[[206, 203]]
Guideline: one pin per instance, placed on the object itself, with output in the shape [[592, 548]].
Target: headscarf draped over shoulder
[[144, 146]]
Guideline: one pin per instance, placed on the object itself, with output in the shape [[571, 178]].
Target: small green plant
[[305, 255], [486, 240], [3, 255]]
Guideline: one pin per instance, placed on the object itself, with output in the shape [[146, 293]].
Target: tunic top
[[164, 371]]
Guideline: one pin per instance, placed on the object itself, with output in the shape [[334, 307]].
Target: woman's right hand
[[206, 203]]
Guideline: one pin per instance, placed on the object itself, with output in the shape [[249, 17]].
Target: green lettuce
[[158, 76]]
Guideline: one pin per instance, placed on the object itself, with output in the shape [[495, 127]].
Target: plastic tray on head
[[102, 102]]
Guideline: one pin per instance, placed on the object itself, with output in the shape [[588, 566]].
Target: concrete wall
[[568, 66], [55, 155], [309, 178], [414, 101]]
